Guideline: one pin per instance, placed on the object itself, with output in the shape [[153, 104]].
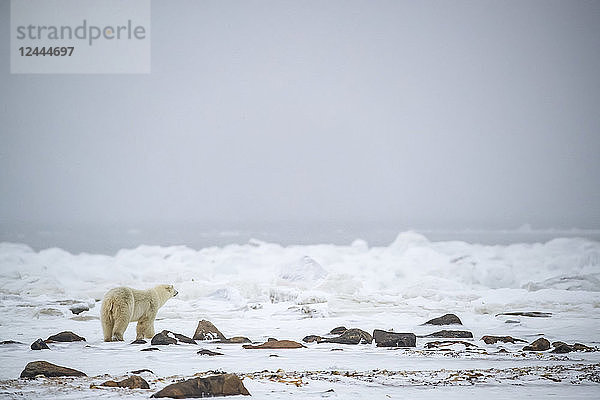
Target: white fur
[[123, 305]]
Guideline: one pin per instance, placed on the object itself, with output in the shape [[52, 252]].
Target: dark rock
[[163, 338], [561, 348], [351, 336], [583, 347], [504, 339], [79, 308], [139, 341], [235, 340], [207, 331], [139, 371], [216, 385], [275, 344], [150, 349], [447, 319], [338, 331], [206, 352], [312, 338], [540, 344], [445, 343], [450, 334], [39, 345], [183, 338], [535, 314], [271, 339], [48, 370], [10, 342], [133, 382], [393, 339], [65, 336], [512, 321]]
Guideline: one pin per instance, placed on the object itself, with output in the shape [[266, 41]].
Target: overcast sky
[[446, 113]]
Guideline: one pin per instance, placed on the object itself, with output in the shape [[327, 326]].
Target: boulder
[[504, 339], [65, 336], [163, 338], [206, 352], [139, 371], [10, 342], [338, 330], [561, 348], [39, 345], [447, 319], [351, 336], [184, 339], [216, 385], [48, 370], [207, 331], [540, 344], [138, 341], [393, 339], [275, 344], [450, 334], [133, 382], [583, 347], [150, 349], [312, 338]]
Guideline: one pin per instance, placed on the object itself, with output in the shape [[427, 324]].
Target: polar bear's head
[[166, 291]]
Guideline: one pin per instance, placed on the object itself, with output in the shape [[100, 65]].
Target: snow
[[263, 290]]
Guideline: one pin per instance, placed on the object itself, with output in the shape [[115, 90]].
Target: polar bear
[[123, 305]]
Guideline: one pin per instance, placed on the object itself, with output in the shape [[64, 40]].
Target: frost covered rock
[[312, 338], [216, 385], [307, 271], [393, 339], [207, 331], [79, 308], [338, 330], [206, 352], [447, 319], [65, 336], [48, 370]]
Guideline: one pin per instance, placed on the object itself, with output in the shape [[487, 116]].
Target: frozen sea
[[261, 285]]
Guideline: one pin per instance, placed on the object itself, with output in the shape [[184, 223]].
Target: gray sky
[[446, 113]]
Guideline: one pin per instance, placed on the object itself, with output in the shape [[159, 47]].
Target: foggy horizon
[[411, 114]]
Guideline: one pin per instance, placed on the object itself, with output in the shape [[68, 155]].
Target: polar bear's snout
[[175, 293]]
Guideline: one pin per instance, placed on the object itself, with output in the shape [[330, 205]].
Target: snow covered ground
[[263, 290]]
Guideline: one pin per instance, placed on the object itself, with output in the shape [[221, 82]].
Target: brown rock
[[275, 344], [351, 336], [561, 348], [216, 385], [540, 344], [65, 336], [138, 341], [184, 339], [39, 345], [445, 343], [447, 319], [47, 369], [583, 347], [133, 382], [207, 331], [10, 342], [504, 339], [393, 339], [450, 334]]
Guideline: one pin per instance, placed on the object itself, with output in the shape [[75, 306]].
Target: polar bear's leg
[[107, 321], [122, 314], [145, 327]]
